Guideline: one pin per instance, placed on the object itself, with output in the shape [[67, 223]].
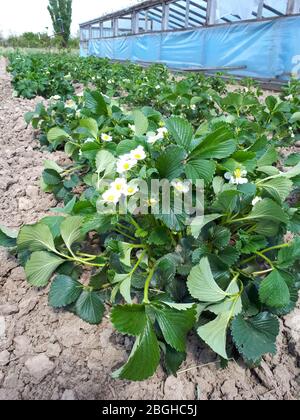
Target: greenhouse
[[254, 38]]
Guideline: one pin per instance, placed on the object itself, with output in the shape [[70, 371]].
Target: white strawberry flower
[[289, 97], [256, 200], [292, 132], [106, 138], [238, 177], [111, 196], [193, 107], [161, 132], [119, 185], [152, 202], [138, 153], [131, 190], [55, 98], [125, 163], [152, 138], [181, 187], [71, 104], [132, 128], [89, 140]]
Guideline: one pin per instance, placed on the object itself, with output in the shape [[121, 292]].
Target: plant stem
[[134, 223], [124, 234], [276, 247], [273, 248], [147, 285], [69, 171], [260, 254], [138, 263], [259, 273]]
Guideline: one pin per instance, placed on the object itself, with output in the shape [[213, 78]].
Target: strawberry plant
[[221, 266]]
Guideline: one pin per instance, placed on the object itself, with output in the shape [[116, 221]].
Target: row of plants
[[227, 275]]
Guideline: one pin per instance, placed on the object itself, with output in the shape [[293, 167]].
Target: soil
[[47, 354]]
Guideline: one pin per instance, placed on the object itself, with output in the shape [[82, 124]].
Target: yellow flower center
[[238, 173], [138, 156], [130, 190], [126, 165]]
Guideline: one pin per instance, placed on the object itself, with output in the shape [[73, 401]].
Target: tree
[[61, 15]]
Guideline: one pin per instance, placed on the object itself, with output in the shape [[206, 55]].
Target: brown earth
[[47, 354]]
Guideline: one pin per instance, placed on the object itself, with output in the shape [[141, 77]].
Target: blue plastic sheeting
[[269, 49]]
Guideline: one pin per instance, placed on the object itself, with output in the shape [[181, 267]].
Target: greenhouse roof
[[228, 11]]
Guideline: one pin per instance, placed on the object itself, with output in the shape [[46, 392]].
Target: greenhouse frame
[[255, 38]]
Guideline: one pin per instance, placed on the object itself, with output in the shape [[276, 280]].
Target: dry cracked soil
[[47, 354]]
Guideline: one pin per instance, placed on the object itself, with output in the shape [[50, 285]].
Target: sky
[[18, 16]]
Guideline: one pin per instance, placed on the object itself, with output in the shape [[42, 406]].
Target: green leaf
[[292, 159], [91, 125], [124, 281], [269, 170], [294, 295], [202, 285], [126, 250], [8, 237], [173, 221], [295, 117], [140, 122], [217, 145], [126, 146], [215, 332], [181, 130], [255, 336], [266, 228], [56, 134], [35, 238], [175, 325], [53, 222], [229, 255], [51, 177], [269, 210], [64, 291], [200, 169], [199, 223], [274, 291], [278, 188], [221, 237], [252, 243], [40, 267], [292, 173], [50, 164], [226, 201], [105, 163], [268, 158], [129, 319], [70, 230], [100, 223], [159, 236], [89, 307], [289, 255], [170, 163], [173, 360], [125, 288], [144, 358], [95, 102]]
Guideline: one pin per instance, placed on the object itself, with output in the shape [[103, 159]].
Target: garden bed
[[48, 354]]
